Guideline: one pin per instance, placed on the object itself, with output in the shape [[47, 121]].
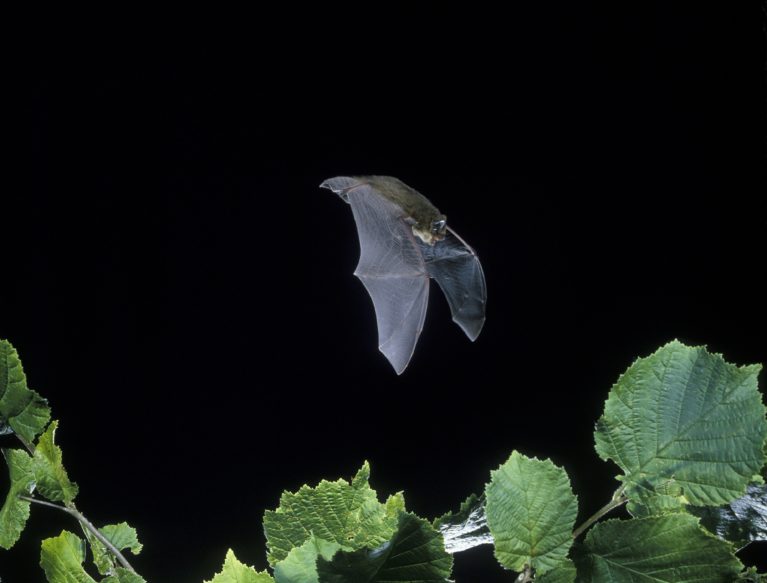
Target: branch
[[88, 525]]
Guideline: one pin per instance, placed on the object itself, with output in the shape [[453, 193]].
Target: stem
[[525, 576], [86, 524], [618, 500]]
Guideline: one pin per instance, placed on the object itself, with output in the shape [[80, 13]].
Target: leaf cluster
[[687, 430]]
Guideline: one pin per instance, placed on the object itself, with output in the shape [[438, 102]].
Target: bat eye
[[438, 227]]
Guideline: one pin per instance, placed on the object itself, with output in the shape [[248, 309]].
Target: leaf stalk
[[618, 500], [525, 576]]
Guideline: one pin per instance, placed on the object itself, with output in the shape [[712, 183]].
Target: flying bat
[[405, 241]]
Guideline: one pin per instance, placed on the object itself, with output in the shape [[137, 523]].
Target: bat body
[[404, 242]]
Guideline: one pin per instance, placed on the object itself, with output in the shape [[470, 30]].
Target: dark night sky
[[182, 292]]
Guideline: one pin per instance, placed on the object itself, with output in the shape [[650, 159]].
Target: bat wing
[[391, 267], [459, 274]]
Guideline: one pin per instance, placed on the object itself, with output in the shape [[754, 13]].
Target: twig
[[618, 500], [87, 524]]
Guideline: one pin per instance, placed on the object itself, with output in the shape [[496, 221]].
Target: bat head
[[434, 233]]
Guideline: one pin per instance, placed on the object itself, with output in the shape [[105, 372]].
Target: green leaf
[[122, 536], [21, 409], [348, 514], [15, 512], [51, 477], [415, 554], [62, 559], [236, 572], [686, 415], [531, 512], [656, 499], [655, 505], [102, 558], [466, 528], [564, 573], [741, 521], [300, 566], [122, 575], [671, 548]]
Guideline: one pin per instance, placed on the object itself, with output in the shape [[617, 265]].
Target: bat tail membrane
[[458, 272], [340, 185]]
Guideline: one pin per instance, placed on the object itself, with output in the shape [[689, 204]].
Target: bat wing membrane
[[459, 274], [391, 267]]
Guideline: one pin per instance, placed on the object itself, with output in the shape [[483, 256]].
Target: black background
[[182, 292]]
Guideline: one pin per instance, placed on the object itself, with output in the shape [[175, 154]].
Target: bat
[[405, 241]]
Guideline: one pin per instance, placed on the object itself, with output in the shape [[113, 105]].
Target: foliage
[[15, 511], [670, 418], [346, 513], [531, 512], [687, 430], [22, 411], [415, 553], [671, 547], [236, 572]]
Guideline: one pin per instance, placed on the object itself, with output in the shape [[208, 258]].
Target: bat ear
[[339, 184]]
